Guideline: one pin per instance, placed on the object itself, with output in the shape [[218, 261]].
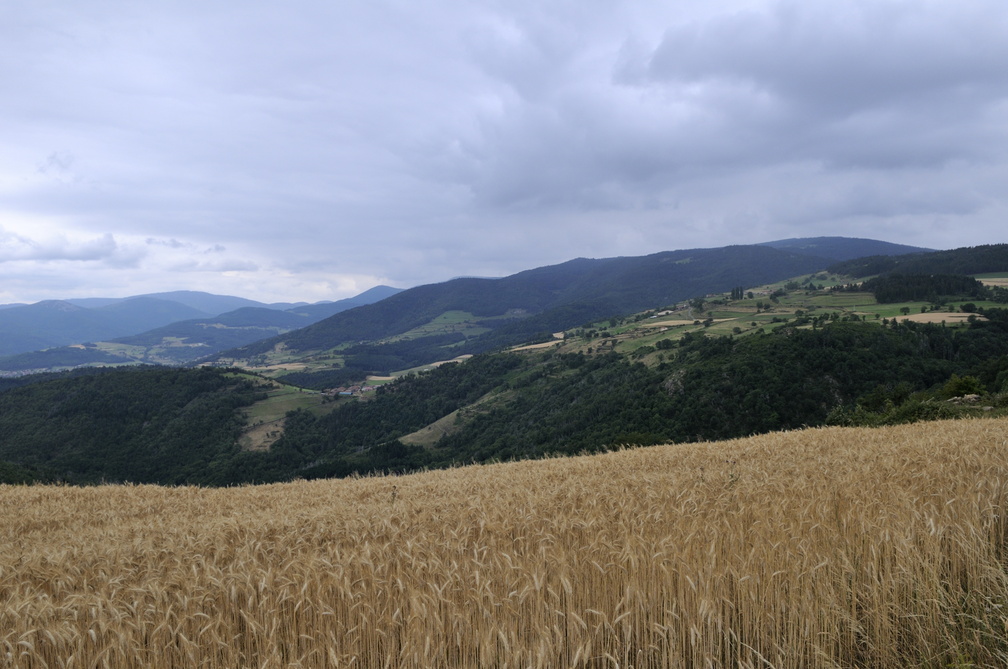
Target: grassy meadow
[[835, 547]]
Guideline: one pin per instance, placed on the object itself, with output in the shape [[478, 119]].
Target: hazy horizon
[[128, 294]]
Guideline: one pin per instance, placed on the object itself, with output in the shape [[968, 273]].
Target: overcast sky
[[311, 149]]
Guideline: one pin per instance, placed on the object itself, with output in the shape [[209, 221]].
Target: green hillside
[[528, 306], [812, 350], [583, 373], [144, 425]]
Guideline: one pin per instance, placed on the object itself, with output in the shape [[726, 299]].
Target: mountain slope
[[186, 341], [967, 260], [143, 425], [781, 359], [317, 312], [536, 302], [143, 313], [183, 426]]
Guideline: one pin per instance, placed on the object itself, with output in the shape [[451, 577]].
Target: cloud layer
[[310, 150]]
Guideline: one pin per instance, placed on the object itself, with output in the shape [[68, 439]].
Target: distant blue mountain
[[322, 310], [207, 304], [57, 323]]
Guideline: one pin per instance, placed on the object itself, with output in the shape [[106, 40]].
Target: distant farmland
[[817, 548]]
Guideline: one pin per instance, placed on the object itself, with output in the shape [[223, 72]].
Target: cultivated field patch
[[816, 548], [676, 323], [265, 418], [1002, 282], [938, 317], [450, 322]]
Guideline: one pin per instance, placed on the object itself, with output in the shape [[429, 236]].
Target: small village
[[349, 391]]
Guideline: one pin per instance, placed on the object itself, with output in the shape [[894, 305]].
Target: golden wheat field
[[816, 548]]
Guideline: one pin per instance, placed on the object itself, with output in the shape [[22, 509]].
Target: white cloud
[[17, 247]]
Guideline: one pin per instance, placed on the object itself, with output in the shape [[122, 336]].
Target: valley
[[652, 337], [803, 472], [456, 373]]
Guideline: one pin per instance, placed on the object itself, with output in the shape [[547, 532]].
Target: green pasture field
[[121, 349], [840, 300], [148, 353], [895, 309], [629, 344], [979, 304], [312, 361], [823, 279], [447, 323], [282, 399], [634, 332], [732, 312], [626, 334]]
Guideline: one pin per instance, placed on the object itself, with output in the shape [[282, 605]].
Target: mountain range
[[531, 305], [49, 325], [814, 347], [183, 327]]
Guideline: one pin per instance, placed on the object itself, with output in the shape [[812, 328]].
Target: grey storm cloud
[[313, 149], [888, 83], [868, 84], [838, 58]]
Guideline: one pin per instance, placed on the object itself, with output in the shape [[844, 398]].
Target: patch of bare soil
[[458, 359], [532, 347], [286, 366], [557, 338], [938, 317], [670, 324]]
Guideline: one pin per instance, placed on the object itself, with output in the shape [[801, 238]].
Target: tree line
[[178, 426]]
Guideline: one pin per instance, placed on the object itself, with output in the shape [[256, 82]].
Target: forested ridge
[[930, 287], [791, 354], [966, 260], [725, 387], [534, 303], [147, 425], [181, 426]]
